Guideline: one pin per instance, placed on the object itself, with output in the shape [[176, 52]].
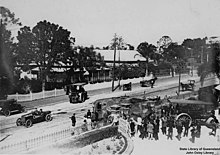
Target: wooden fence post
[[31, 96], [43, 93], [17, 96]]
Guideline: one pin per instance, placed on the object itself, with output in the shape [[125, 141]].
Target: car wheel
[[18, 122], [7, 113], [28, 123], [48, 117]]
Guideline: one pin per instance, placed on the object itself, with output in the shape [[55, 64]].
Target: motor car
[[33, 117], [8, 107], [127, 86], [188, 86], [76, 92]]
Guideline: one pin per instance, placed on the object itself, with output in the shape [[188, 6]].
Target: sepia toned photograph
[[107, 77]]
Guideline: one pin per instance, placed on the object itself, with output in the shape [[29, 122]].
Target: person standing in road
[[88, 114], [73, 118], [132, 127], [170, 126], [164, 125], [139, 125], [179, 129], [150, 130], [186, 128], [193, 134]]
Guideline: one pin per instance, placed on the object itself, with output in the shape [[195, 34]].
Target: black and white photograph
[[98, 77]]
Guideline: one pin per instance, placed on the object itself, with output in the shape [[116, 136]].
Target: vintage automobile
[[192, 110], [76, 92], [8, 107], [148, 82], [188, 86], [113, 111], [127, 86], [36, 116]]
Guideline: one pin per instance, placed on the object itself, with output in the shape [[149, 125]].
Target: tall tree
[[173, 51], [7, 20], [173, 55], [163, 43], [47, 44], [211, 67], [147, 51], [198, 48], [26, 47]]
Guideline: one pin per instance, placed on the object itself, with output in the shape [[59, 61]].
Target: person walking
[[73, 119]]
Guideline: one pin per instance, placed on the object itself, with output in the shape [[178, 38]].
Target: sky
[[94, 22]]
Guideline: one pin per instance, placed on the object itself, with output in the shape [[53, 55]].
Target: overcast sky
[[94, 22]]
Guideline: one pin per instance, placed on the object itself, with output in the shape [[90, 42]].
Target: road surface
[[63, 110]]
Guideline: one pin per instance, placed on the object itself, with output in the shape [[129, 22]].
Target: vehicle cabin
[[188, 86], [196, 109], [114, 109], [76, 92], [7, 107], [125, 109], [127, 86]]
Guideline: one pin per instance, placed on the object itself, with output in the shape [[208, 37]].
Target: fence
[[48, 138], [33, 96]]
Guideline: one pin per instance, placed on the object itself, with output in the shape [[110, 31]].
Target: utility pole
[[113, 76], [202, 55]]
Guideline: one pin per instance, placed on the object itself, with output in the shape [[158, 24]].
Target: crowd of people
[[149, 127]]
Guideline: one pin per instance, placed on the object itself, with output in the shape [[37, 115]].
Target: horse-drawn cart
[[148, 82]]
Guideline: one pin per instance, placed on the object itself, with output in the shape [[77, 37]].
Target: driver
[[37, 112], [41, 111]]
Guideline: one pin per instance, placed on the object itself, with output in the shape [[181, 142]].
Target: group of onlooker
[[149, 127]]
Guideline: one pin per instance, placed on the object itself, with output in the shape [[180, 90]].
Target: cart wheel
[[28, 123], [18, 122], [184, 117], [48, 117], [7, 113]]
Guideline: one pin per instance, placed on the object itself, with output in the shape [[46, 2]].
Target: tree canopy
[[8, 20]]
